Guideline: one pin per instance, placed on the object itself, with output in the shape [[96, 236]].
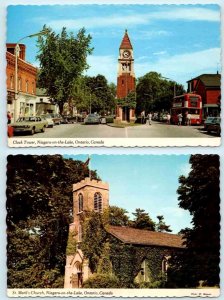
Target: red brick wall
[[208, 96], [212, 96], [125, 84], [26, 73]]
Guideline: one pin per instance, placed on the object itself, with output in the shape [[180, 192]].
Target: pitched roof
[[130, 235], [209, 80], [126, 43]]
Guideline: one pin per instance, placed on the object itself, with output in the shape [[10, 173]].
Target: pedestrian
[[180, 118], [150, 118], [9, 117], [168, 118], [143, 117], [189, 119]]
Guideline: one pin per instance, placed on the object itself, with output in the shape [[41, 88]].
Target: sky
[[178, 41], [148, 182]]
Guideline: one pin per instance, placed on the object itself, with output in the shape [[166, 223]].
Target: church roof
[[126, 43], [145, 237]]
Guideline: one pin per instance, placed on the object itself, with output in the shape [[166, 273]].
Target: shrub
[[102, 281]]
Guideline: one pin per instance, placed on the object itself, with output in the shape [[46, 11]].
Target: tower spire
[[126, 43]]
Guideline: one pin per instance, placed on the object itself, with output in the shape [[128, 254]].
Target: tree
[[118, 217], [142, 220], [155, 93], [161, 225], [39, 203], [62, 60], [129, 101], [102, 94], [199, 194]]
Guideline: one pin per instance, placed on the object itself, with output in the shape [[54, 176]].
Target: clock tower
[[125, 79]]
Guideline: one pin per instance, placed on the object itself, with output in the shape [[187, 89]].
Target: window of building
[[20, 84], [11, 82], [122, 82], [80, 233], [32, 87], [27, 86], [165, 265], [98, 202], [80, 202]]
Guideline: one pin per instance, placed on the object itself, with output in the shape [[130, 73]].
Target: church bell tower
[[125, 79], [88, 195]]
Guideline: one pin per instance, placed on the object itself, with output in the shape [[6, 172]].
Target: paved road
[[155, 130]]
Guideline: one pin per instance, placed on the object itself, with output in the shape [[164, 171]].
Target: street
[[156, 130]]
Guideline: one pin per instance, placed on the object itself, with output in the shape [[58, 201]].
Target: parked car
[[92, 119], [208, 121], [29, 125], [48, 118], [215, 126], [56, 118]]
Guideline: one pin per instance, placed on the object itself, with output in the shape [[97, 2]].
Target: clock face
[[126, 54]]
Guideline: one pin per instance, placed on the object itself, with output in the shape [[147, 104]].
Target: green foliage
[[199, 193], [102, 94], [117, 216], [104, 265], [161, 225], [142, 220], [102, 281], [94, 236], [63, 58], [129, 101], [39, 202], [71, 244], [155, 93], [127, 261]]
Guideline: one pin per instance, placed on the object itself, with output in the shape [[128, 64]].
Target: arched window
[[27, 86], [98, 202], [20, 84], [80, 200], [11, 82], [165, 264]]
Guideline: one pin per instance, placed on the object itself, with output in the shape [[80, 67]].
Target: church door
[[126, 114]]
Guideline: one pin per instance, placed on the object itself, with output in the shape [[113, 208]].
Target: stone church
[[125, 79], [144, 246]]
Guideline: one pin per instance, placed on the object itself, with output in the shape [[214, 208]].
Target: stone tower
[[125, 79], [88, 195]]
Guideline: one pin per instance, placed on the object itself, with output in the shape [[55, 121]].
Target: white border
[[4, 150]]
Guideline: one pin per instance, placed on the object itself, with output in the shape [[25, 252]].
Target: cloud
[[132, 19], [105, 65], [147, 35], [182, 67], [160, 53]]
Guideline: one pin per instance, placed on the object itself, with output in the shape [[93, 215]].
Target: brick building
[[208, 86], [125, 79], [93, 195], [26, 80]]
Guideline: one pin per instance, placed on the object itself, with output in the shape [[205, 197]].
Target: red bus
[[187, 104]]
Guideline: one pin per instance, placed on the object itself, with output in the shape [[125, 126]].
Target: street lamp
[[17, 49]]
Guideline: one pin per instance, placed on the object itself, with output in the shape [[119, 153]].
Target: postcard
[[108, 75], [73, 230]]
